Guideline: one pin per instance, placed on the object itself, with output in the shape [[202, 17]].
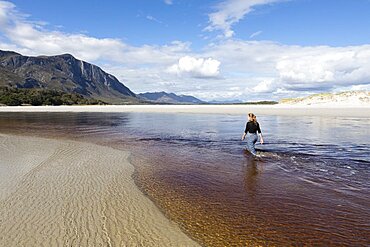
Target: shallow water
[[309, 187]]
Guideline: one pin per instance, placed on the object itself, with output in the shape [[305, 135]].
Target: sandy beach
[[286, 110], [67, 193]]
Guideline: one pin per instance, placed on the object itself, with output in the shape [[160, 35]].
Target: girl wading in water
[[252, 128]]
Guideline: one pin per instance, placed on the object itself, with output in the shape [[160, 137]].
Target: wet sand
[[67, 193], [280, 110]]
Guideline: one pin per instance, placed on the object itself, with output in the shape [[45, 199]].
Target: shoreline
[[64, 192], [285, 110]]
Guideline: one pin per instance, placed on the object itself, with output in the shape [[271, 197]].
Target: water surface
[[309, 187]]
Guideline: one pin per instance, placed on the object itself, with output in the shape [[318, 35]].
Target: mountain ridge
[[64, 73], [169, 98]]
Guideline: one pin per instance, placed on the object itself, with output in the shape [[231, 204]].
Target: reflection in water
[[313, 191], [251, 175]]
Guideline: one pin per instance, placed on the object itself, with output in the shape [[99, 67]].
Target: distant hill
[[263, 102], [225, 101], [63, 73], [239, 102], [169, 98], [350, 98]]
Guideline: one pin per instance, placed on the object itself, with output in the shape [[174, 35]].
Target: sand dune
[[68, 193], [287, 110]]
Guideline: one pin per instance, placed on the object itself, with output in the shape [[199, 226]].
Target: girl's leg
[[255, 139], [251, 141]]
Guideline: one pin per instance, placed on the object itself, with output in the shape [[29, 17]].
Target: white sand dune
[[290, 110], [348, 98], [66, 193]]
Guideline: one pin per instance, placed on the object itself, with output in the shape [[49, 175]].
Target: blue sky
[[226, 49], [299, 22]]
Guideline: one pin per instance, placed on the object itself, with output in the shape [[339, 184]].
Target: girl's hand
[[261, 141]]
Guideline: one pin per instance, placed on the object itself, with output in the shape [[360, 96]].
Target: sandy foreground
[[286, 110], [67, 193]]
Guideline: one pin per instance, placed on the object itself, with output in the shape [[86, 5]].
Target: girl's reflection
[[251, 171]]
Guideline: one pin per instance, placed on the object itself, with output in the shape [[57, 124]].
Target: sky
[[215, 50]]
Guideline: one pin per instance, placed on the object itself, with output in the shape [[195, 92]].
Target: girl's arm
[[261, 138], [260, 134], [243, 137], [245, 131]]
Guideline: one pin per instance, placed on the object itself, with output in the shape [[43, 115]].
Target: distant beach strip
[[287, 110]]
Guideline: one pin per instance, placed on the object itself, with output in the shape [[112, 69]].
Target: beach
[[279, 110], [71, 193]]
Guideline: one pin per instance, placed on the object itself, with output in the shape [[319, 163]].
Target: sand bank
[[66, 193], [289, 110]]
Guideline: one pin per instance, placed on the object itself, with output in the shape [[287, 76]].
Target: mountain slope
[[64, 73], [169, 98]]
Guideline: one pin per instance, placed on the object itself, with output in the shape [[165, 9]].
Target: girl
[[252, 128]]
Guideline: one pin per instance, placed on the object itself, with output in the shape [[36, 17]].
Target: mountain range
[[169, 98], [67, 74], [63, 73]]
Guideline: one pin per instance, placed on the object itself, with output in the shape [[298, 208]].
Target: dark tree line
[[36, 97]]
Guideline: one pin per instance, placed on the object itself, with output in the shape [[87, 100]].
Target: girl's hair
[[252, 117]]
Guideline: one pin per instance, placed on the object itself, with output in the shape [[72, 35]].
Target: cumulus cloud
[[318, 66], [265, 86], [230, 12], [29, 38], [297, 68], [196, 67]]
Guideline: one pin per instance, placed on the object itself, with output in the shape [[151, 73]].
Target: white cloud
[[230, 12], [255, 34], [30, 38], [318, 66], [169, 2], [265, 86], [365, 87], [296, 68], [216, 95], [196, 67], [152, 18]]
